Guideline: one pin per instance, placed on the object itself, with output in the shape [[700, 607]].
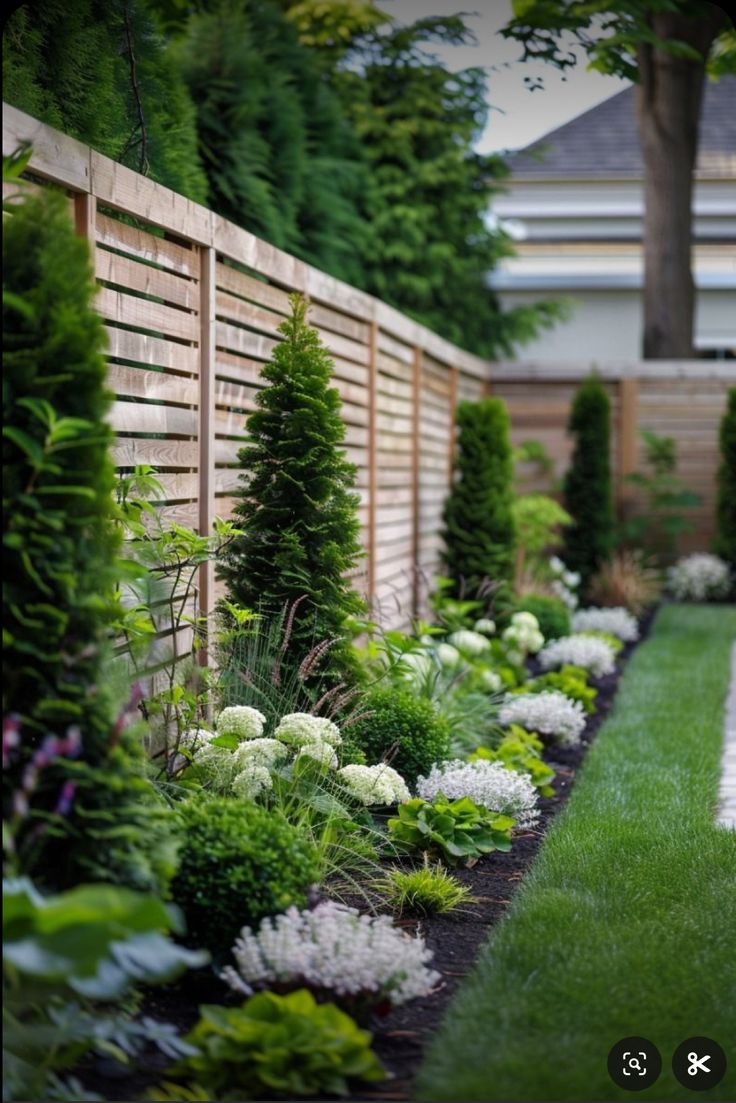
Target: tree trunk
[[669, 96]]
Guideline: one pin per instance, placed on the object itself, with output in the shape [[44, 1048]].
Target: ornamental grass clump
[[699, 577], [616, 622], [549, 713], [373, 785], [427, 890], [589, 652], [488, 784], [358, 960]]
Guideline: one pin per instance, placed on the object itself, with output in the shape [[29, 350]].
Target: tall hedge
[[296, 505], [588, 489], [478, 522], [80, 807], [725, 544]]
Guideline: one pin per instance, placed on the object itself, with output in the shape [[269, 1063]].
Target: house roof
[[603, 142]]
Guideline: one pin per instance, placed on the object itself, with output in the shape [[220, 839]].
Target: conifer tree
[[725, 544], [588, 489], [479, 527], [296, 506]]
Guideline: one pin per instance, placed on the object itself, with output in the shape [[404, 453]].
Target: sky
[[517, 116]]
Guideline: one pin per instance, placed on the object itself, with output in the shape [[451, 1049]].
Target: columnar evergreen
[[726, 509], [588, 490], [479, 528], [296, 506]]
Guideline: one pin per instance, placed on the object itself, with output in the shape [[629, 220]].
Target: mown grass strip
[[626, 924]]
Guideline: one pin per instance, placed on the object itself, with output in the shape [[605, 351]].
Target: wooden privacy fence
[[192, 303]]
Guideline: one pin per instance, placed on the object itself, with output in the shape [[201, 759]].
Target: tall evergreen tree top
[[588, 487]]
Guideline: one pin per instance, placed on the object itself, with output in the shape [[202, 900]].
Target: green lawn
[[626, 925]]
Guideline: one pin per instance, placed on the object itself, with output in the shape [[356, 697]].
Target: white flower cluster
[[699, 577], [242, 721], [300, 728], [379, 784], [447, 656], [335, 949], [261, 752], [523, 634], [252, 781], [491, 681], [322, 753], [469, 643], [617, 621], [564, 583], [415, 666], [589, 652], [485, 625], [489, 784], [550, 713]]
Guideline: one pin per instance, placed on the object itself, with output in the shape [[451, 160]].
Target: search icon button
[[634, 1063]]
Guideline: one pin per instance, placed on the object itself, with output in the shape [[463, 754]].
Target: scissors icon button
[[699, 1064]]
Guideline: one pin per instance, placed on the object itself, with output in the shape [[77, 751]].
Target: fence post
[[206, 427], [85, 219], [372, 459], [628, 418], [416, 390], [453, 426]]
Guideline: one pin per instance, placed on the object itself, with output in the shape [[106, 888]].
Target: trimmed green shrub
[[551, 612], [91, 812], [479, 526], [588, 490], [239, 862], [295, 503], [725, 543], [410, 725]]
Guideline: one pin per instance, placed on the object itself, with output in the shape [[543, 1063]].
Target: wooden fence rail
[[192, 304]]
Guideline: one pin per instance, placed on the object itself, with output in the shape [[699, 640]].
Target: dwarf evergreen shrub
[[479, 527], [404, 728], [588, 491], [725, 545], [295, 503], [551, 612]]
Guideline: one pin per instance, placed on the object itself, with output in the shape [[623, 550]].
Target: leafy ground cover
[[626, 924]]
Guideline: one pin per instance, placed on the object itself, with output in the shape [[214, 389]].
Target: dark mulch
[[455, 939]]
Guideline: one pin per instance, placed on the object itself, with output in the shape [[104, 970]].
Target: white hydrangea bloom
[[550, 713], [589, 652], [302, 727], [447, 655], [485, 625], [261, 752], [320, 752], [252, 781], [556, 565], [491, 681], [524, 635], [196, 737], [379, 784], [242, 721], [617, 621], [525, 620], [699, 577], [469, 643], [489, 784], [335, 949]]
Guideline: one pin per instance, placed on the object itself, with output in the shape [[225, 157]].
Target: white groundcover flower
[[336, 949], [252, 781], [485, 625], [699, 577], [549, 713], [320, 752], [469, 643], [242, 721], [379, 784], [617, 621], [260, 752], [302, 727], [589, 652], [489, 784], [447, 655]]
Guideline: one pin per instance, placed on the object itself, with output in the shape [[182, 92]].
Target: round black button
[[699, 1064], [634, 1064]]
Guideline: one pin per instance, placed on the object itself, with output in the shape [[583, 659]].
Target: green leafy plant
[[67, 960], [666, 499], [238, 863], [538, 521], [427, 890], [459, 831], [296, 506], [521, 751], [588, 488], [725, 543], [570, 680], [478, 517], [284, 1045], [551, 612], [403, 729]]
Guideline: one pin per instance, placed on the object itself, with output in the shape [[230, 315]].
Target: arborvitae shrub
[[479, 527], [588, 491], [551, 612], [405, 725], [726, 510], [60, 555], [239, 862], [295, 503]]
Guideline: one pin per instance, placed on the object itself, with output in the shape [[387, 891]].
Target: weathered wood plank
[[123, 344], [128, 310], [134, 276]]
